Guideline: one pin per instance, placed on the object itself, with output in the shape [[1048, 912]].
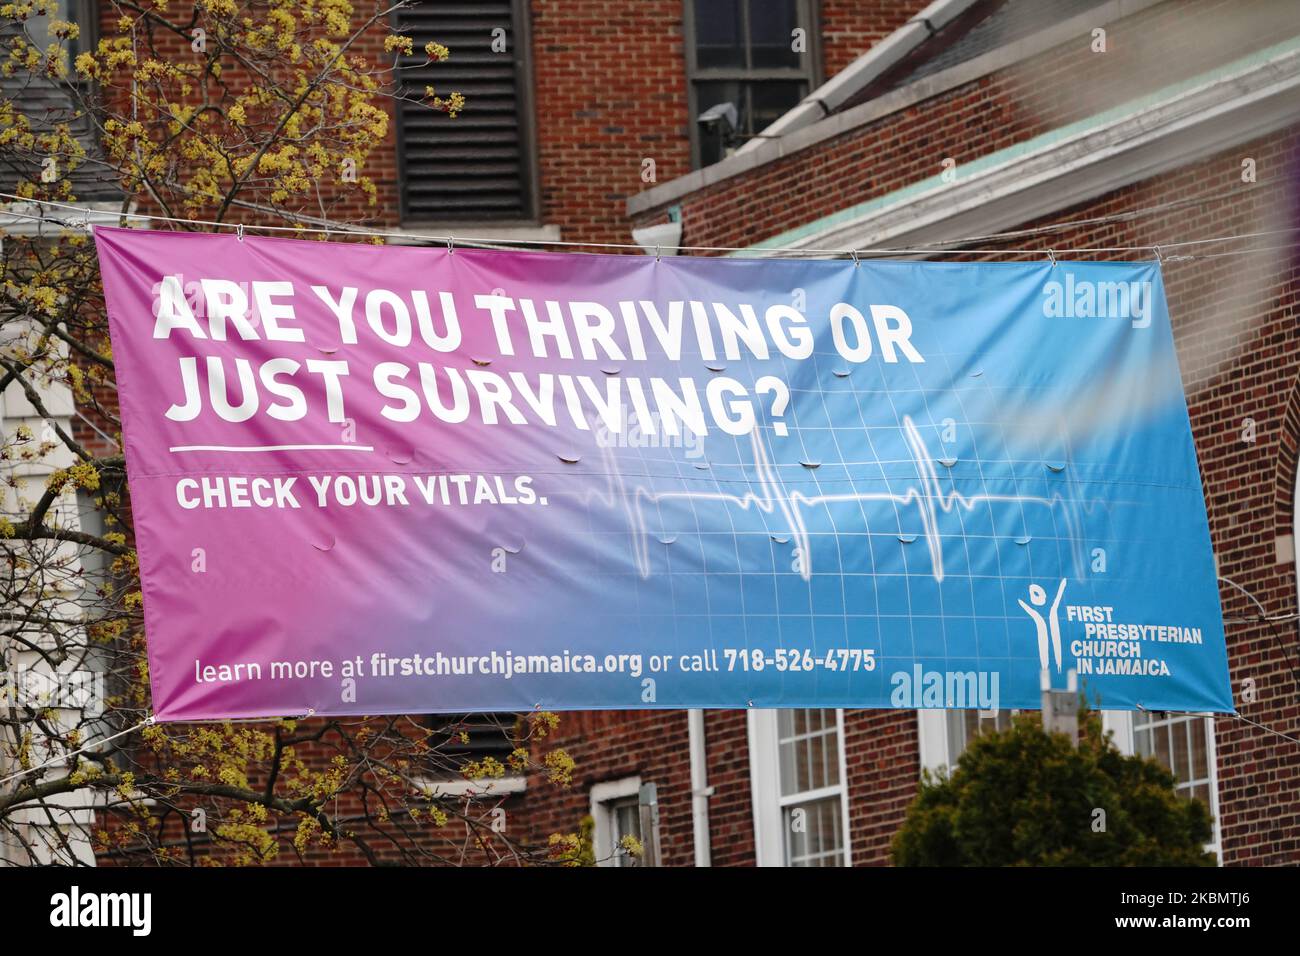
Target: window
[[965, 725], [81, 12], [798, 778], [616, 813], [479, 166], [945, 734], [46, 101], [1182, 743], [811, 795], [747, 53]]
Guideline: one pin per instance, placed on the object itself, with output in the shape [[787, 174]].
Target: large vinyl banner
[[376, 479]]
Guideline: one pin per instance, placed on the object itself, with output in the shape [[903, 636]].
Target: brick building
[[1069, 126], [573, 107], [867, 124]]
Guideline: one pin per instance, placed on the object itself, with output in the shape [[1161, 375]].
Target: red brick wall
[[610, 82], [1235, 325], [611, 92], [731, 811], [884, 763], [849, 28], [1061, 86], [1239, 347], [611, 745]]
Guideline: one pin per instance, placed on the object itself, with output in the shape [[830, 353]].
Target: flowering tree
[[263, 111]]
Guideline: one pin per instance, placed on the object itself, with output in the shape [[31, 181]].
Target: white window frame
[[765, 788], [1120, 722], [807, 17], [602, 816], [936, 749], [73, 812], [464, 787]]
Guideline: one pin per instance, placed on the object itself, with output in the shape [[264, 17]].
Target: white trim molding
[[765, 788], [939, 747], [932, 741], [486, 787], [700, 789], [602, 795], [1120, 723]]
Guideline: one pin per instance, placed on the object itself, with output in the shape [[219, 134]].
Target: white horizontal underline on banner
[[177, 448]]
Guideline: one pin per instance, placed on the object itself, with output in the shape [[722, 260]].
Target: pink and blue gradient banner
[[401, 480]]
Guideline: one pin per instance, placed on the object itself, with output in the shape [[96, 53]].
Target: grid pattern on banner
[[916, 590]]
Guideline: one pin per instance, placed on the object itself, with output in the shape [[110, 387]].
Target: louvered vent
[[487, 735], [477, 166]]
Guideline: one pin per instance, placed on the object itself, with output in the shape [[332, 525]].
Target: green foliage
[[1024, 797], [575, 849], [260, 111]]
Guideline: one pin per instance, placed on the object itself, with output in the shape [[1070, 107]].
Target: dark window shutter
[[485, 735], [477, 166]]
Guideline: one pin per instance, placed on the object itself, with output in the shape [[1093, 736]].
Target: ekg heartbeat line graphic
[[771, 496]]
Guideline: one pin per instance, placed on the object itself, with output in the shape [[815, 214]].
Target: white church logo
[[1052, 626]]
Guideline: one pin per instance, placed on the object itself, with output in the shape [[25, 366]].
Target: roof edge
[[1183, 123], [837, 124], [866, 68]]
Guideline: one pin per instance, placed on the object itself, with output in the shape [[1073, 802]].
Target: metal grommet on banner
[[239, 232]]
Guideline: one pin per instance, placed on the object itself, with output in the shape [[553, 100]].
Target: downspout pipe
[[700, 789]]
